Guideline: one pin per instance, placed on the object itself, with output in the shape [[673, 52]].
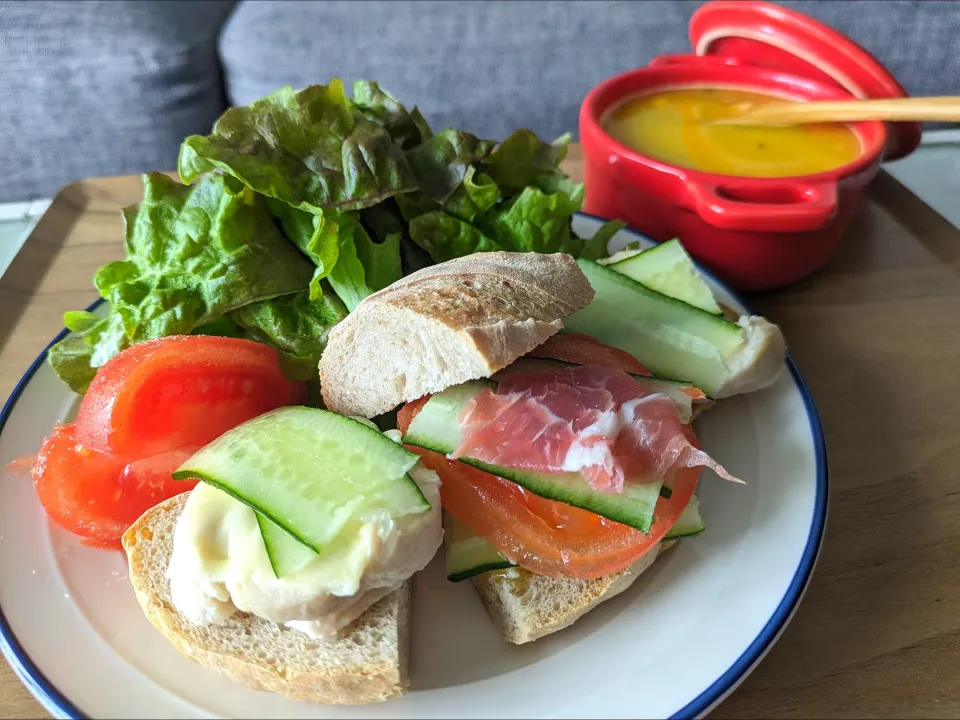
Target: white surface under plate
[[673, 645]]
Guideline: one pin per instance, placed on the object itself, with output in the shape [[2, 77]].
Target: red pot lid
[[761, 33]]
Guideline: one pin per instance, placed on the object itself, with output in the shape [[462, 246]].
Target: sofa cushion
[[486, 67], [102, 88], [490, 67], [918, 42]]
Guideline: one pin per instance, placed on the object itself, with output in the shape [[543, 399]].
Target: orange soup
[[671, 126]]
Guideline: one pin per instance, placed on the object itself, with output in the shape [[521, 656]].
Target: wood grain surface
[[876, 335]]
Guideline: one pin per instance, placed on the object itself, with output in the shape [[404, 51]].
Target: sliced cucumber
[[468, 554], [286, 554], [688, 524], [437, 427], [669, 336], [668, 269], [310, 471]]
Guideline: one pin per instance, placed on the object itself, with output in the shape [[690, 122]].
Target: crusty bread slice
[[368, 663], [525, 607], [446, 324]]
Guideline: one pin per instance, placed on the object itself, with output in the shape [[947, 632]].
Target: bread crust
[[526, 607], [446, 324]]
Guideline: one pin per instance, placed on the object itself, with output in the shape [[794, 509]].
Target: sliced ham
[[589, 419]]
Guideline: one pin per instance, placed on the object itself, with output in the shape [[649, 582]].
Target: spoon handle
[[920, 109]]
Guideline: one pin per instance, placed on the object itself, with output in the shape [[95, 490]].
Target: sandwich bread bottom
[[525, 606], [367, 664], [370, 661]]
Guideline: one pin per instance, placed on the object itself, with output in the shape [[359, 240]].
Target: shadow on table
[[932, 230], [22, 280]]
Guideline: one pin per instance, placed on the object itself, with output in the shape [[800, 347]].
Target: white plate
[[675, 644]]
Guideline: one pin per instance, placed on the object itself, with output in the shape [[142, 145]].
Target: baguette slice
[[526, 607], [368, 663], [446, 324]]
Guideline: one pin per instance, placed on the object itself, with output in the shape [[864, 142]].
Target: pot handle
[[701, 60], [786, 208]]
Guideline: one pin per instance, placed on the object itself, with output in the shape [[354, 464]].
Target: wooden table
[[877, 336]]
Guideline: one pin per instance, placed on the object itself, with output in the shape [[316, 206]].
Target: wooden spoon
[[919, 109]]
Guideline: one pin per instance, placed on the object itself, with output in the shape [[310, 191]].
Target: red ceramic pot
[[755, 233]]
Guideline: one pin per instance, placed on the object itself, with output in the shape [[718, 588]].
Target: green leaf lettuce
[[294, 324], [407, 129], [309, 149], [194, 254], [302, 204], [76, 358], [523, 160], [535, 222]]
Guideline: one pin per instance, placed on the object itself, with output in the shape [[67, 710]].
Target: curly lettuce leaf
[[441, 162], [307, 149], [412, 256], [382, 220], [535, 222], [314, 235], [297, 325], [377, 240], [80, 321], [524, 160], [446, 237], [477, 194], [595, 247], [195, 253], [76, 358], [381, 260], [224, 326], [407, 129], [348, 277]]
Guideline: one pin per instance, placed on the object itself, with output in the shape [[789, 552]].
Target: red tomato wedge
[[408, 412], [146, 412], [545, 536], [164, 394], [72, 482], [587, 350], [97, 495]]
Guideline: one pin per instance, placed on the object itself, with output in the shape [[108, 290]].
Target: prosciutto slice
[[589, 419]]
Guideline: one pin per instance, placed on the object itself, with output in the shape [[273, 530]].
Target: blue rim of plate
[[58, 705]]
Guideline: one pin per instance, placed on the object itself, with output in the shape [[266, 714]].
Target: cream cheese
[[220, 565]]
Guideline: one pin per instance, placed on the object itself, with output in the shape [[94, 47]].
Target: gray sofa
[[105, 87]]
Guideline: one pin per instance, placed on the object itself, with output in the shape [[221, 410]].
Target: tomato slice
[[408, 412], [179, 391], [146, 412], [586, 350], [147, 482], [97, 495], [69, 481], [546, 536]]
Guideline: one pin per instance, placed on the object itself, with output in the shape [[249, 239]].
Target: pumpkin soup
[[672, 126]]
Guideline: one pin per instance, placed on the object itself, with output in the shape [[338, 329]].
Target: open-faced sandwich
[[288, 567]]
